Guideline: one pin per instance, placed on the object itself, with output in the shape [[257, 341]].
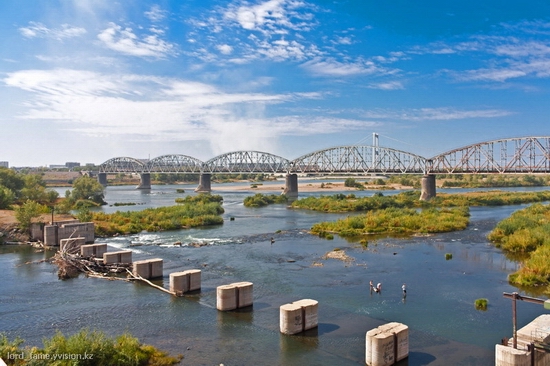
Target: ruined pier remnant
[[149, 268], [298, 316], [122, 256], [93, 250], [532, 345], [182, 282], [234, 296], [291, 186], [387, 344], [204, 183]]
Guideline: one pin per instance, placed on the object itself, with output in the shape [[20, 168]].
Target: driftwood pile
[[71, 264]]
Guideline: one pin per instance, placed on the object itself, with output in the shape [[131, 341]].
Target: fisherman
[[404, 288]]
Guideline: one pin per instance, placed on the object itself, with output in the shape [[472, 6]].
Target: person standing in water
[[404, 288]]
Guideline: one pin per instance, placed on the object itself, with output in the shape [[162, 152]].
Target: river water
[[445, 328]]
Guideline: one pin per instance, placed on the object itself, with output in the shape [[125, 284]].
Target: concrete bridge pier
[[291, 186], [428, 187], [102, 179], [204, 183], [144, 181]]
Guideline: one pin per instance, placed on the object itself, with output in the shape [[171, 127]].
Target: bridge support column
[[144, 181], [291, 186], [204, 183], [102, 178], [428, 187]]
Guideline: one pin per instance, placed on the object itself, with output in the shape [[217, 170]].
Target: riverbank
[[279, 186]]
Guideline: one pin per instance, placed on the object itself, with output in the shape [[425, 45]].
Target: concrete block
[[298, 316], [509, 356], [71, 244], [234, 296], [95, 250], [244, 293], [123, 256], [194, 276], [149, 268], [182, 282], [387, 344], [226, 297], [290, 319]]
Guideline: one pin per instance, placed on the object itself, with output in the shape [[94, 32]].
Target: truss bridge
[[525, 155]]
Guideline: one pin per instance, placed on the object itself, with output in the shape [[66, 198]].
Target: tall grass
[[397, 221], [527, 231], [193, 211], [87, 348]]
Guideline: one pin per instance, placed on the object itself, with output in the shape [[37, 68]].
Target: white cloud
[[332, 67], [125, 41], [390, 85], [39, 30], [435, 114], [154, 109], [225, 49], [156, 14]]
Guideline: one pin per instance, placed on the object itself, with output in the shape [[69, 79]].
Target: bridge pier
[[204, 183], [144, 181], [291, 186], [102, 179], [428, 187]]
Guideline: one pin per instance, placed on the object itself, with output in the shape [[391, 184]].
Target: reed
[[481, 304]]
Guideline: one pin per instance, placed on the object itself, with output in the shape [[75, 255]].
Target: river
[[444, 326]]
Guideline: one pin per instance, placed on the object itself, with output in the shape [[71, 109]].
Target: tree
[[27, 212], [7, 197], [87, 189]]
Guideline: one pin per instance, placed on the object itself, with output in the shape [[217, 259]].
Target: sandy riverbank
[[278, 186]]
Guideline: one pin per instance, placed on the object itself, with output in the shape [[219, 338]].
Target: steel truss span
[[174, 164], [514, 155], [359, 159], [122, 165], [247, 162]]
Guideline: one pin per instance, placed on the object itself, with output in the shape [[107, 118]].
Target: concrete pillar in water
[[291, 185], [182, 282], [95, 250], [428, 187], [102, 179], [387, 344], [204, 183], [234, 296], [144, 181], [149, 268], [298, 316], [123, 256], [509, 356]]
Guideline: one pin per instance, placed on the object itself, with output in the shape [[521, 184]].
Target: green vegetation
[[492, 180], [27, 212], [410, 199], [86, 192], [260, 200], [448, 256], [481, 304], [193, 211], [527, 232], [17, 188], [351, 182], [397, 221], [85, 348]]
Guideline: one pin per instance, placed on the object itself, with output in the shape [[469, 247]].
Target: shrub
[[481, 304]]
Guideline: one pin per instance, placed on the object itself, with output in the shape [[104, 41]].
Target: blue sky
[[89, 80]]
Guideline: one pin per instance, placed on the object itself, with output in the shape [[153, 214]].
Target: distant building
[[4, 164], [71, 165], [55, 166]]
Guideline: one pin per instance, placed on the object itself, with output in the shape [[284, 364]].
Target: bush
[[123, 350], [481, 304]]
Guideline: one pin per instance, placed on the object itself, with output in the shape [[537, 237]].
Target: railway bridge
[[521, 155]]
